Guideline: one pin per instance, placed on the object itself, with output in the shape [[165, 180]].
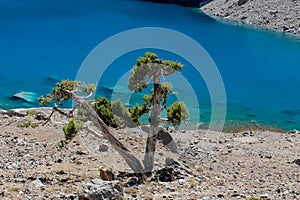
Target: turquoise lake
[[44, 41]]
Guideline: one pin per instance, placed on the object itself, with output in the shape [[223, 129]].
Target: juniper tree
[[150, 69], [147, 69], [66, 90]]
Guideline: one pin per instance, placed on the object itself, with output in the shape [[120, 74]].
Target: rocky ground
[[274, 14], [209, 165]]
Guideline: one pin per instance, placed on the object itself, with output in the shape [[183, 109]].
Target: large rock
[[106, 174], [241, 2], [297, 162], [98, 189]]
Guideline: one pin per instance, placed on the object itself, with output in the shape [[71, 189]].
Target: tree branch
[[56, 109], [165, 120], [169, 74], [88, 96]]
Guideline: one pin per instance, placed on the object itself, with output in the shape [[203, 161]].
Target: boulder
[[98, 189], [297, 162], [103, 147], [106, 174], [241, 2], [37, 183]]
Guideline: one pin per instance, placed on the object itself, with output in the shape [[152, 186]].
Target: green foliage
[[121, 114], [72, 128], [145, 69], [60, 144], [14, 189], [165, 88], [26, 124], [169, 66], [88, 88], [137, 111], [44, 101], [31, 113], [253, 198], [103, 108], [59, 95], [177, 113], [149, 67], [81, 112], [113, 114]]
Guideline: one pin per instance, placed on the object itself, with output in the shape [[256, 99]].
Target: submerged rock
[[52, 79], [29, 97], [189, 3], [117, 89]]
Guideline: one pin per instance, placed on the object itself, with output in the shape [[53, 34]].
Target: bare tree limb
[[165, 120], [72, 111], [56, 109], [94, 132], [168, 74], [88, 96]]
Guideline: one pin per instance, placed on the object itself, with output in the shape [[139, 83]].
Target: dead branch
[[55, 109], [89, 129]]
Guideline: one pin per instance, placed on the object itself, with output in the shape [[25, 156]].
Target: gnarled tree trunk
[[155, 120], [130, 159]]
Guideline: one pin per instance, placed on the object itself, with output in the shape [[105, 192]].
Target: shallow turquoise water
[[43, 41]]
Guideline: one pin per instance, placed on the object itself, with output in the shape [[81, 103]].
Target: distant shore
[[188, 3], [277, 15], [272, 14]]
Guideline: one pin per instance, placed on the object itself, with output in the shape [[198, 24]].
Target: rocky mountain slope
[[274, 14]]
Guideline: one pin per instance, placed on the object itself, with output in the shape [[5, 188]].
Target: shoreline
[[261, 28], [275, 15], [231, 126]]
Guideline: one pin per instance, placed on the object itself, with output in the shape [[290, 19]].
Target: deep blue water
[[43, 41]]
